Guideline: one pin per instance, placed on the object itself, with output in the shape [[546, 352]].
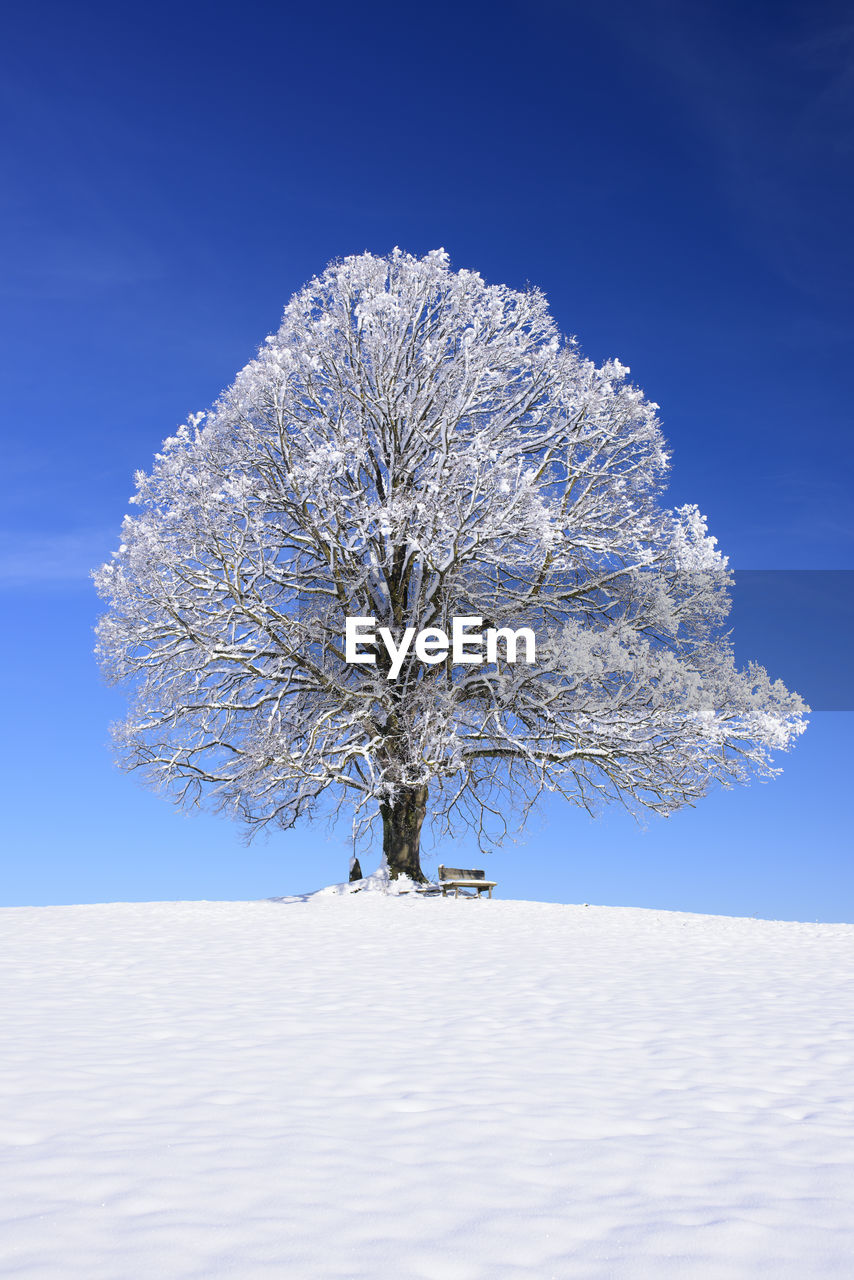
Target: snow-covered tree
[[414, 445]]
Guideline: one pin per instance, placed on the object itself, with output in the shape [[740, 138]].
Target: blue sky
[[678, 180]]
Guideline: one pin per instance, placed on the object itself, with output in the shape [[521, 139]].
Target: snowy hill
[[402, 1089]]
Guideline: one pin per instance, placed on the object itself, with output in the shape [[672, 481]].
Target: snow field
[[423, 1089]]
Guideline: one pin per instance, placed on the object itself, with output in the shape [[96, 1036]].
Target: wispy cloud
[[66, 232], [68, 265], [775, 106], [54, 559]]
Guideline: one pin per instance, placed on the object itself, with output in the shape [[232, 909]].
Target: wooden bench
[[456, 878]]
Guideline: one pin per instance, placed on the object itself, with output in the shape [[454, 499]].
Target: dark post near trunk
[[402, 822]]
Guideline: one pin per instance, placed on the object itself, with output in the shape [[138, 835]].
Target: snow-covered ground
[[360, 1086]]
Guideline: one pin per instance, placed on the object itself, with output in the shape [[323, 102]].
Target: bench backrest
[[457, 873]]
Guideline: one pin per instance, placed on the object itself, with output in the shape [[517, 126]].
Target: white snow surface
[[423, 1089]]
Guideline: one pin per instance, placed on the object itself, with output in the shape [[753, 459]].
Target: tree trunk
[[402, 833]]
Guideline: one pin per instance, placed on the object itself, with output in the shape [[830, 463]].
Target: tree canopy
[[411, 446]]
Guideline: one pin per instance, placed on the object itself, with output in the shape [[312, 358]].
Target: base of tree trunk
[[402, 821], [355, 871]]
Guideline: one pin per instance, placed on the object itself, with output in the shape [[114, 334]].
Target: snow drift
[[423, 1089]]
